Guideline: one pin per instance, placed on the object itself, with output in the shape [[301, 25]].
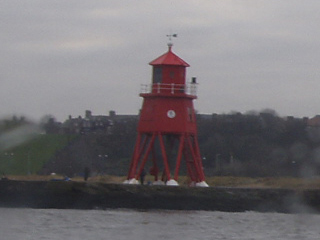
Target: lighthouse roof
[[169, 58]]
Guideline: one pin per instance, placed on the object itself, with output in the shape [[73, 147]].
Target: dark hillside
[[254, 145]]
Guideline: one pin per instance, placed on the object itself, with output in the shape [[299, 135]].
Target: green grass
[[29, 157]]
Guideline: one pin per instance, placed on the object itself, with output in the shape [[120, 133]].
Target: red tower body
[[167, 125]]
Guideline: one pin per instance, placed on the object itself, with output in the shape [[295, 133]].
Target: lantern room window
[[157, 75]]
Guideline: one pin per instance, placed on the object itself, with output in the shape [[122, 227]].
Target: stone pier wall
[[82, 195]]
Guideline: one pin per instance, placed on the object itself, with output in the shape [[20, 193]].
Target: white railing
[[171, 88]]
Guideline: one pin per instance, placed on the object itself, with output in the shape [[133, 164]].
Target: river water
[[53, 224]]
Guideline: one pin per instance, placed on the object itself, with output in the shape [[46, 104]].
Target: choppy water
[[34, 224]]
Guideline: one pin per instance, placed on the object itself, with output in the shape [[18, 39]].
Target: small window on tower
[[190, 115], [157, 75]]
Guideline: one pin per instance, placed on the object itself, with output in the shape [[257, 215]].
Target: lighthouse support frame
[[187, 148]]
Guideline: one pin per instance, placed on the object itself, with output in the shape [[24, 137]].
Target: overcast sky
[[64, 57]]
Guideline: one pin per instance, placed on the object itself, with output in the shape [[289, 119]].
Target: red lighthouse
[[167, 131]]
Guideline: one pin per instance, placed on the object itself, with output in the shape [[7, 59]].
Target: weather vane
[[170, 36]]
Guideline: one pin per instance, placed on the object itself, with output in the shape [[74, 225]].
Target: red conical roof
[[169, 58]]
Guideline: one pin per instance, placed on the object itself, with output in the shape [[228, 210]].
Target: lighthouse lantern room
[[167, 131]]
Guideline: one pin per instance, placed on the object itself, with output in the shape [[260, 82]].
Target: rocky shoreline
[[88, 195]]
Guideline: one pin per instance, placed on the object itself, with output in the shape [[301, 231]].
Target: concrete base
[[131, 181], [202, 184], [172, 182]]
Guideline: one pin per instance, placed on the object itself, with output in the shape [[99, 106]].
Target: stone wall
[[83, 195]]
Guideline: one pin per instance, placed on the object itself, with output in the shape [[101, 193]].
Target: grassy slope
[[32, 154]]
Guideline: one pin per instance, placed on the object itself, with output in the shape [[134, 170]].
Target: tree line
[[262, 144]]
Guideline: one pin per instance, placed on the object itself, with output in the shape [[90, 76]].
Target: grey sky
[[63, 57]]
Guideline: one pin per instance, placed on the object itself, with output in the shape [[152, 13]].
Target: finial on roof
[[170, 36]]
